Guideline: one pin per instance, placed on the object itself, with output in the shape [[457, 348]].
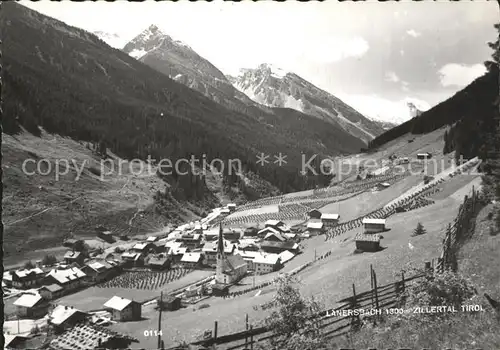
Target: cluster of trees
[[472, 115]]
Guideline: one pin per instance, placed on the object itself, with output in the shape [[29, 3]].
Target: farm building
[[98, 271], [176, 254], [51, 292], [66, 317], [266, 263], [26, 278], [231, 207], [191, 260], [190, 240], [251, 231], [225, 211], [67, 278], [373, 225], [315, 228], [383, 186], [314, 214], [124, 309], [151, 239], [161, 262], [143, 248], [31, 306], [170, 303], [330, 219], [133, 259], [106, 236], [367, 242], [276, 224], [424, 155], [220, 290], [278, 247], [275, 237], [159, 247], [209, 251], [72, 257], [266, 230], [248, 246], [86, 336]]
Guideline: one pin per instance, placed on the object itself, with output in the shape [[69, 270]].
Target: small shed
[[373, 225], [424, 155], [314, 214], [315, 228], [220, 290], [51, 292], [170, 303], [74, 257], [330, 219], [367, 242], [231, 207]]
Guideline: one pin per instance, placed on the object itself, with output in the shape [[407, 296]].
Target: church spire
[[220, 243]]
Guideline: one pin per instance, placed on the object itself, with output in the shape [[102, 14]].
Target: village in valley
[[121, 285], [301, 191]]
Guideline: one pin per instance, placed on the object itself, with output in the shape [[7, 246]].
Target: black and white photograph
[[253, 175]]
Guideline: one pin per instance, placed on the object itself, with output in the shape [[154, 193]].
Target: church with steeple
[[229, 269]]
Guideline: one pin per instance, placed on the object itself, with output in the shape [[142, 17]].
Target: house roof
[[278, 235], [10, 338], [141, 246], [283, 245], [269, 259], [130, 255], [26, 272], [52, 288], [367, 237], [28, 300], [158, 261], [85, 336], [178, 250], [373, 221], [118, 303], [268, 229], [273, 222], [315, 225], [191, 257], [71, 255], [314, 211], [152, 239], [286, 256], [212, 246], [99, 266], [67, 275], [61, 313], [326, 216]]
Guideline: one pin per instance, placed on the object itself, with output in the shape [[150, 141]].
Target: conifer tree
[[419, 230]]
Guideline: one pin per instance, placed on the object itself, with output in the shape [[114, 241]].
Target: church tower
[[221, 257]]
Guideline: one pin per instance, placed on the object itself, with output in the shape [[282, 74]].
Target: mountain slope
[[180, 62], [70, 82], [274, 87], [471, 110]]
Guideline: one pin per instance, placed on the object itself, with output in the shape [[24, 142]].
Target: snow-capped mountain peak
[[112, 39], [274, 87]]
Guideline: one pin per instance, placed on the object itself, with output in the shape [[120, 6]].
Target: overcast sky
[[373, 55]]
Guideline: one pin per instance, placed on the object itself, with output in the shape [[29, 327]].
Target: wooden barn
[[373, 225], [314, 214], [170, 303], [367, 242]]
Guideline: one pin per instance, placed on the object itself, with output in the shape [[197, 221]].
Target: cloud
[[392, 77], [336, 49], [378, 108], [453, 74], [413, 33]]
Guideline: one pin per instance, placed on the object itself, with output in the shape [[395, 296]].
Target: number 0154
[[155, 333]]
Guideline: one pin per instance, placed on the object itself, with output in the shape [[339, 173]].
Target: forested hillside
[[71, 83]]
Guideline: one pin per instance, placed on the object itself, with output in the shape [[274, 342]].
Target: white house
[[67, 278], [373, 225], [266, 263], [315, 228], [31, 306], [123, 309]]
